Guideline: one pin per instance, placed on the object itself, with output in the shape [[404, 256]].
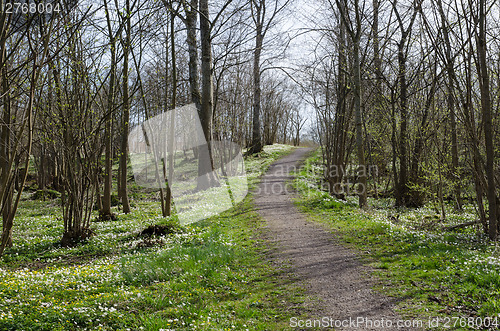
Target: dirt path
[[329, 270]]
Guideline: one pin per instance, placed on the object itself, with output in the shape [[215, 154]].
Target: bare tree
[[405, 32], [108, 162], [126, 44], [484, 83], [354, 29], [264, 15], [451, 75], [16, 129]]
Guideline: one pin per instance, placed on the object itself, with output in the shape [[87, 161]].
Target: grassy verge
[[453, 275], [210, 275]]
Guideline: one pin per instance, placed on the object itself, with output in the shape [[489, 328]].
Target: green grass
[[210, 275], [433, 272]]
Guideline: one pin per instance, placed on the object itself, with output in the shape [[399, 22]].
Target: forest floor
[[330, 270], [210, 275]]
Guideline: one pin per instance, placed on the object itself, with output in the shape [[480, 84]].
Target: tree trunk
[[487, 120], [474, 141], [8, 222], [205, 161], [450, 70], [337, 145], [362, 171], [9, 205], [355, 34], [168, 199], [6, 190], [256, 145], [402, 183], [377, 61], [108, 162], [402, 190], [194, 78], [126, 113]]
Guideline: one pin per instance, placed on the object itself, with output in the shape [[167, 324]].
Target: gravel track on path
[[328, 270]]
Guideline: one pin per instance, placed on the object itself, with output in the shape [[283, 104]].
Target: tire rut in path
[[329, 270]]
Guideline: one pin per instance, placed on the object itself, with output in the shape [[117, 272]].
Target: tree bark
[[256, 145], [340, 124], [126, 112], [8, 177], [450, 100], [108, 162], [402, 183], [402, 191], [6, 191], [205, 161], [190, 21], [362, 171], [168, 200], [355, 34], [487, 120]]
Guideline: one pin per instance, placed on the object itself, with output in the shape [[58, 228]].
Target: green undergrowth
[[430, 270], [210, 275]]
